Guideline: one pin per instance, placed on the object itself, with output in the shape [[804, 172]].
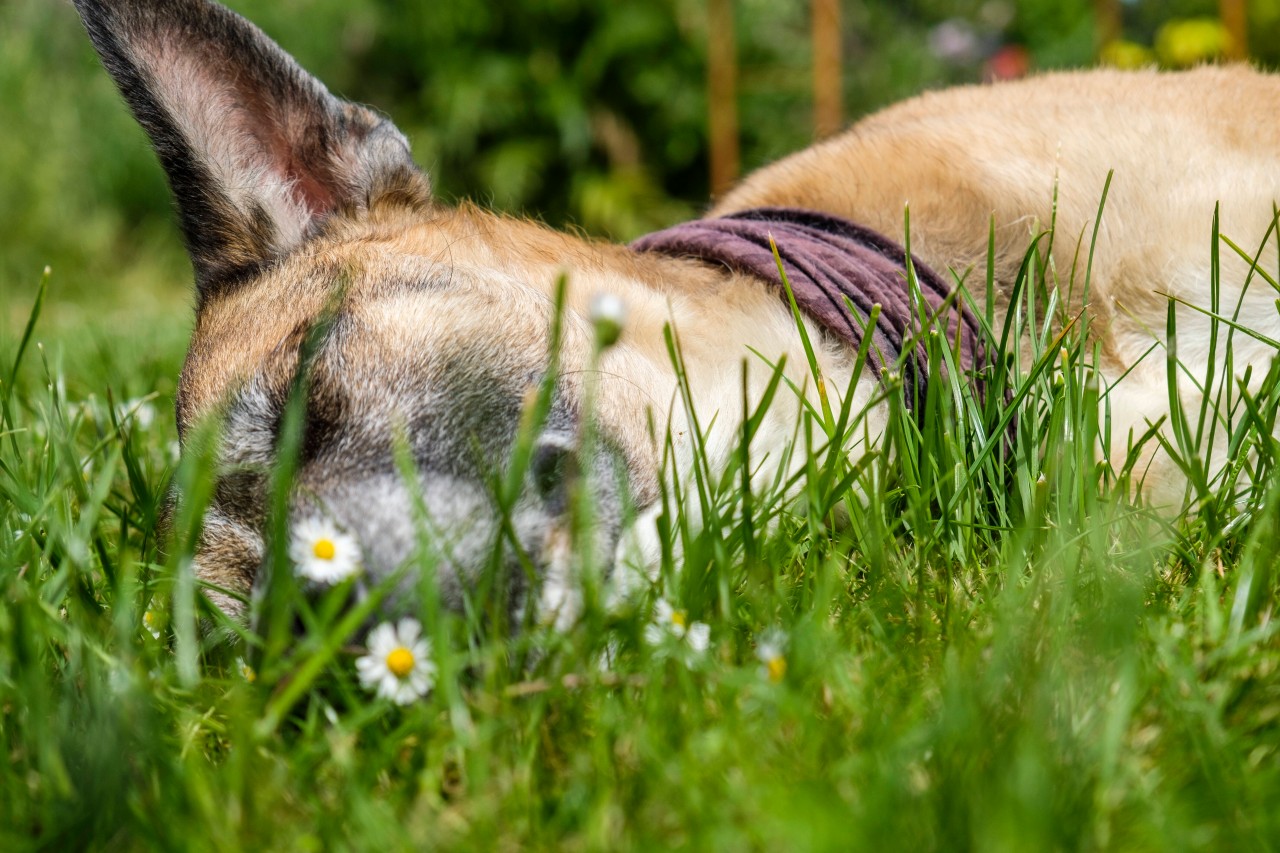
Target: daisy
[[323, 554], [246, 672], [669, 622], [151, 621], [770, 650], [398, 666]]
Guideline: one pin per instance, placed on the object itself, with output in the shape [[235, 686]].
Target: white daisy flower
[[771, 652], [151, 621], [670, 622], [120, 679], [248, 673], [323, 553], [398, 666], [141, 411], [608, 315]]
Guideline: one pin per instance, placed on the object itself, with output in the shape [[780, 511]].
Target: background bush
[[580, 112]]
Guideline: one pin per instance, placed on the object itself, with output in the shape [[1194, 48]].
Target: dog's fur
[[288, 195]]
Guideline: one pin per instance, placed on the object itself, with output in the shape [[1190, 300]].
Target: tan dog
[[288, 195]]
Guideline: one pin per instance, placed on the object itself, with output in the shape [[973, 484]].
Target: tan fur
[[1178, 144], [503, 274], [290, 198]]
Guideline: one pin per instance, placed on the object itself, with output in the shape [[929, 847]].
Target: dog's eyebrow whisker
[[444, 256], [612, 375]]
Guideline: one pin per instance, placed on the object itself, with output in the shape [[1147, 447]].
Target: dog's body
[[288, 196]]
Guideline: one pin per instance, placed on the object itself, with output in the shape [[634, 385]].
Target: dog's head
[[303, 212]]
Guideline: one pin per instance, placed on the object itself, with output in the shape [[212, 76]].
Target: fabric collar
[[829, 260]]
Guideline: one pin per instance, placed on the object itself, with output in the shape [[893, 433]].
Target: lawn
[[979, 640]]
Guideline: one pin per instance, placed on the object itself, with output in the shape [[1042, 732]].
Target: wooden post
[[1235, 18], [828, 100], [722, 115], [1107, 13]]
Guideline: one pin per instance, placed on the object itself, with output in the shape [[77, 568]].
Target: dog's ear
[[257, 151]]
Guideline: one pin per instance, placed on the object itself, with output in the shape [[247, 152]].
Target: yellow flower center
[[400, 662], [247, 673], [149, 619], [324, 549], [776, 667], [680, 618]]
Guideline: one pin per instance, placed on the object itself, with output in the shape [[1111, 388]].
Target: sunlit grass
[[985, 640]]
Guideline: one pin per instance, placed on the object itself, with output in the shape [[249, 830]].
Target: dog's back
[[1026, 155]]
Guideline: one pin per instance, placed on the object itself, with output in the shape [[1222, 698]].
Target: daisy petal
[[398, 666], [698, 636]]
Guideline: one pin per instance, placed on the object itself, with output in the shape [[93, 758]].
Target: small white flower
[[398, 666], [246, 672], [323, 553], [608, 315], [120, 678], [151, 621], [141, 411], [669, 622], [771, 652]]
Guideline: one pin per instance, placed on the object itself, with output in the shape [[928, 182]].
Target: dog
[[302, 211]]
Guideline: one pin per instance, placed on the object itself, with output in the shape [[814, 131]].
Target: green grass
[[988, 644]]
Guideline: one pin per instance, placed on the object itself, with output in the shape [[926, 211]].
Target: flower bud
[[608, 315]]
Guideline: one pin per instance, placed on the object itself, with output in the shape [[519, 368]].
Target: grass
[[988, 644]]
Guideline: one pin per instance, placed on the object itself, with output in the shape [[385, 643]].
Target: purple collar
[[828, 260]]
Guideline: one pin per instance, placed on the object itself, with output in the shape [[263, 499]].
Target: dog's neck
[[850, 279]]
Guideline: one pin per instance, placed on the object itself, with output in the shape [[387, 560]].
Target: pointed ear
[[257, 151]]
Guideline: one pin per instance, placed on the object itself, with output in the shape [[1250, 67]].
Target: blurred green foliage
[[581, 112]]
